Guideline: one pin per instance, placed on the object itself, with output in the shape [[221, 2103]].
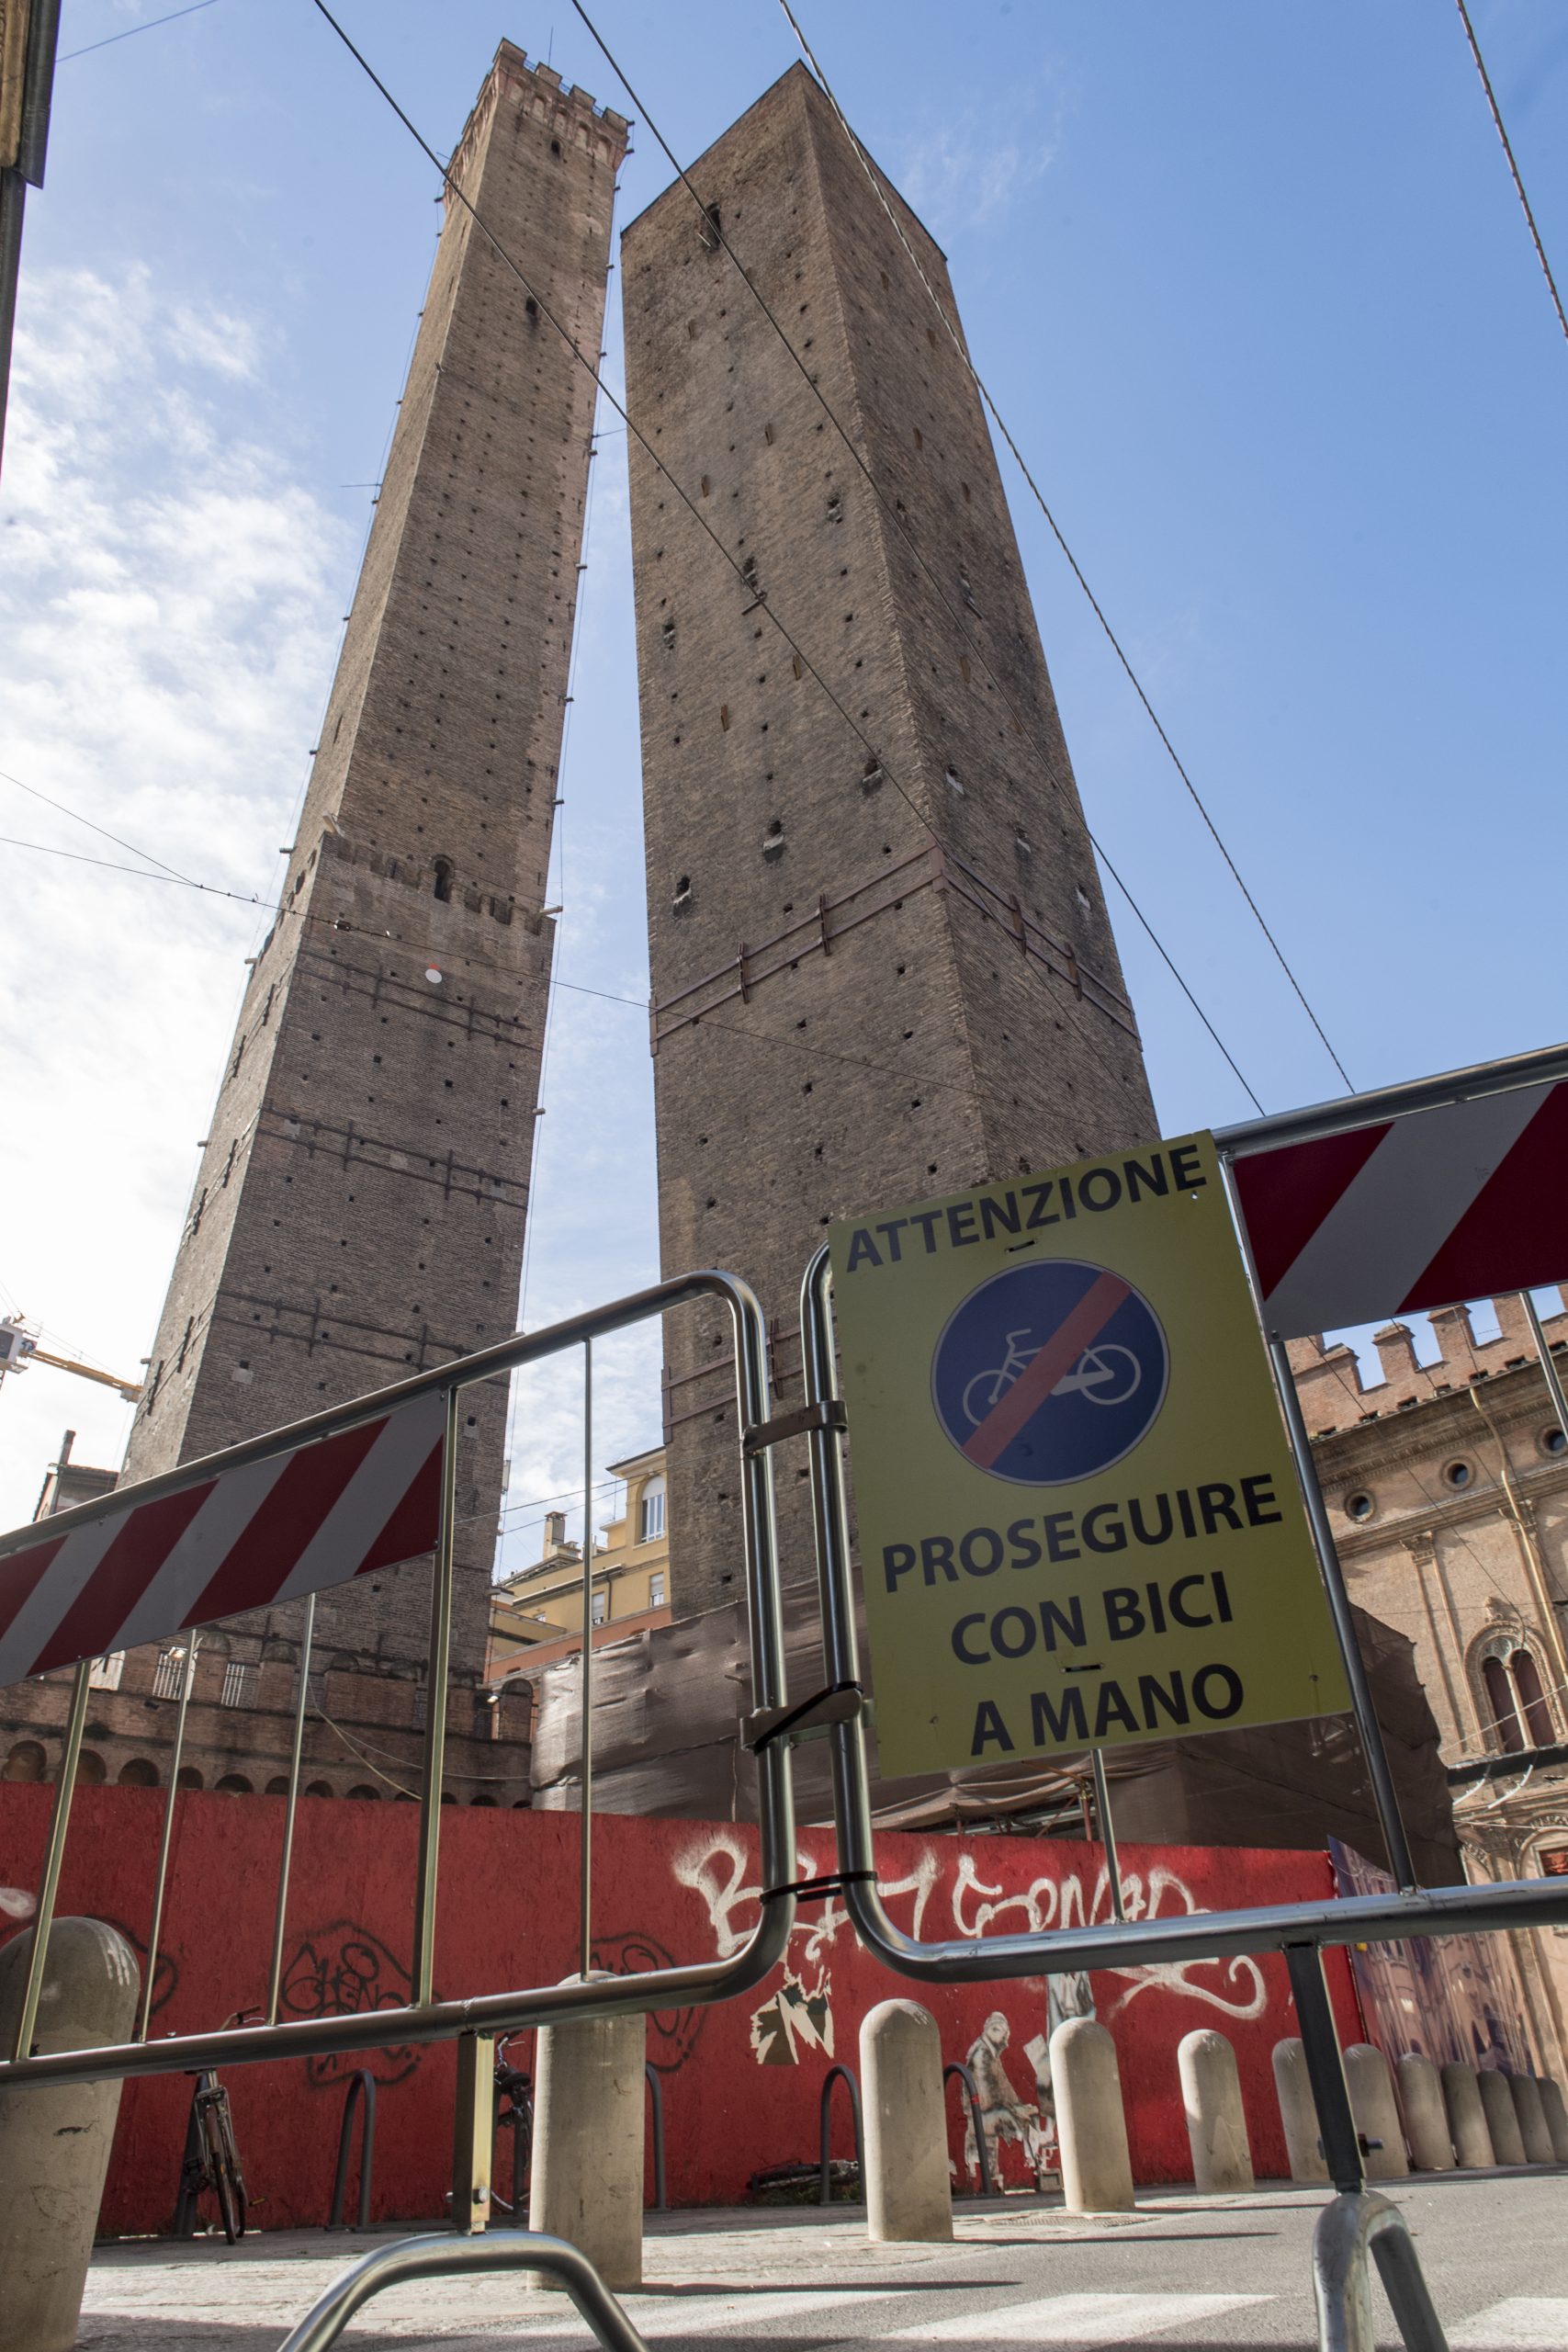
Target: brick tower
[[359, 1209], [856, 1000]]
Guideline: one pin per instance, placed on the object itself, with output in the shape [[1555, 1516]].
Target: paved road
[[1186, 2273]]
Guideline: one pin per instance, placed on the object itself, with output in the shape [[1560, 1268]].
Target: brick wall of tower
[[359, 1209], [878, 972]]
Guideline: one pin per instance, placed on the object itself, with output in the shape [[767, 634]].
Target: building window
[[1458, 1474], [444, 877], [1500, 1701], [25, 1762], [1553, 1441], [656, 1592], [650, 1512], [104, 1672], [599, 1607], [238, 1684], [1554, 1860], [1532, 1698], [1359, 1505], [168, 1674]]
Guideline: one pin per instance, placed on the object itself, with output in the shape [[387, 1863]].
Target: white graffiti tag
[[716, 1869]]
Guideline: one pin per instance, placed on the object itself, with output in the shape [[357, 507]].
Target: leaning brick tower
[[359, 1209], [877, 974]]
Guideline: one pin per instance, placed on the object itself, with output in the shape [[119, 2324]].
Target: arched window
[[1500, 1701], [278, 1788], [91, 1772], [138, 1774], [1532, 1698], [365, 1791], [188, 1777], [317, 1788], [235, 1784], [25, 1762], [651, 1511], [444, 877]]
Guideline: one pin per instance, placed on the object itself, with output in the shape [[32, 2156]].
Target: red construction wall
[[740, 2087]]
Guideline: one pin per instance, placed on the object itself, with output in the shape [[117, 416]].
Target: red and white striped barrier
[[265, 1531], [1423, 1210]]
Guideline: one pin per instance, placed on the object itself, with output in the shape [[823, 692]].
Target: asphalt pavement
[[1186, 2273]]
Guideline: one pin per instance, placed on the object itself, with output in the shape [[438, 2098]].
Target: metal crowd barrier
[[1356, 2221], [424, 2018]]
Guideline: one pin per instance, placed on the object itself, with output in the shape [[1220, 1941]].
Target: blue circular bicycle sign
[[1050, 1371]]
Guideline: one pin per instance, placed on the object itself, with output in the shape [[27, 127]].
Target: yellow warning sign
[[1078, 1520]]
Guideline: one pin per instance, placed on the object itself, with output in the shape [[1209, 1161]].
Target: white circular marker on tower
[[433, 974]]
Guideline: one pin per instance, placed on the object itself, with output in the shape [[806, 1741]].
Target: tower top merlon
[[570, 114]]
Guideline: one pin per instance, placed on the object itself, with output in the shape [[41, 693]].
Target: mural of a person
[[1066, 1996], [1003, 2114]]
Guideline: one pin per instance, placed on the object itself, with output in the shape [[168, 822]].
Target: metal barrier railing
[[954, 2072], [824, 2131], [1299, 1931], [361, 2094], [448, 2257], [423, 2018]]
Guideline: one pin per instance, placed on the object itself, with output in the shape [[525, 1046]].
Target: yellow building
[[535, 1615]]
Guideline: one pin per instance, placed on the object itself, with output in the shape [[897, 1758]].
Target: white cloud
[[169, 601], [958, 176]]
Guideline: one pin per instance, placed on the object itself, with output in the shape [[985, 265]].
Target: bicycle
[[1102, 1375], [514, 2113], [211, 2161]]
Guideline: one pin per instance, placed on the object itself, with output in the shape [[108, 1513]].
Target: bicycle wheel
[[1108, 1376], [227, 2178], [984, 1391]]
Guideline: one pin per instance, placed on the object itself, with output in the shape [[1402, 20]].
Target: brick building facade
[[359, 1208], [882, 964], [1447, 1492]]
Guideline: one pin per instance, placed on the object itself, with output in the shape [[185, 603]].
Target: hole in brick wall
[[1023, 845], [963, 667], [724, 716], [920, 438], [682, 892]]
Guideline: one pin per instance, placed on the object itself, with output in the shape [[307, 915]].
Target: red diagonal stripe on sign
[[1514, 1235], [1286, 1195], [1035, 1382], [91, 1625], [18, 1578], [261, 1556], [416, 1520]]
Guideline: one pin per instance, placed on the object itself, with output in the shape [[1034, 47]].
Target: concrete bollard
[[1216, 2124], [908, 2192], [1502, 2117], [1556, 2116], [1298, 2111], [589, 2093], [1468, 2127], [1425, 2117], [1370, 2080], [1532, 2120], [54, 2144], [1097, 2171]]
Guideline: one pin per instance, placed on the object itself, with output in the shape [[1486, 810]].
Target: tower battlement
[[571, 114]]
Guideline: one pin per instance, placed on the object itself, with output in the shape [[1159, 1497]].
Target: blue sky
[[1252, 287]]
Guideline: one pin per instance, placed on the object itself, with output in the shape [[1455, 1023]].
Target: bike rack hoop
[[446, 2257]]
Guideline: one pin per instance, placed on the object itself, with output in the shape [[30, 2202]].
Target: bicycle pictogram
[[1050, 1371], [1106, 1375]]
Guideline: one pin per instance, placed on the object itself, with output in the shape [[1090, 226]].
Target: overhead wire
[[1514, 172], [151, 26], [636, 433], [1069, 801], [1039, 497]]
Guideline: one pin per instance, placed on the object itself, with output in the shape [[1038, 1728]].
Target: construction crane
[[18, 1349]]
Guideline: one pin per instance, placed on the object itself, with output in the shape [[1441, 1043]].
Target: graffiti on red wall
[[742, 2080]]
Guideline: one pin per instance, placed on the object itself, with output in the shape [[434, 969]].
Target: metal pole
[[301, 1698], [1385, 1797], [1548, 1363], [1326, 2069], [187, 1680], [586, 1863], [435, 1715], [1384, 1794], [1107, 1832], [44, 1917]]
